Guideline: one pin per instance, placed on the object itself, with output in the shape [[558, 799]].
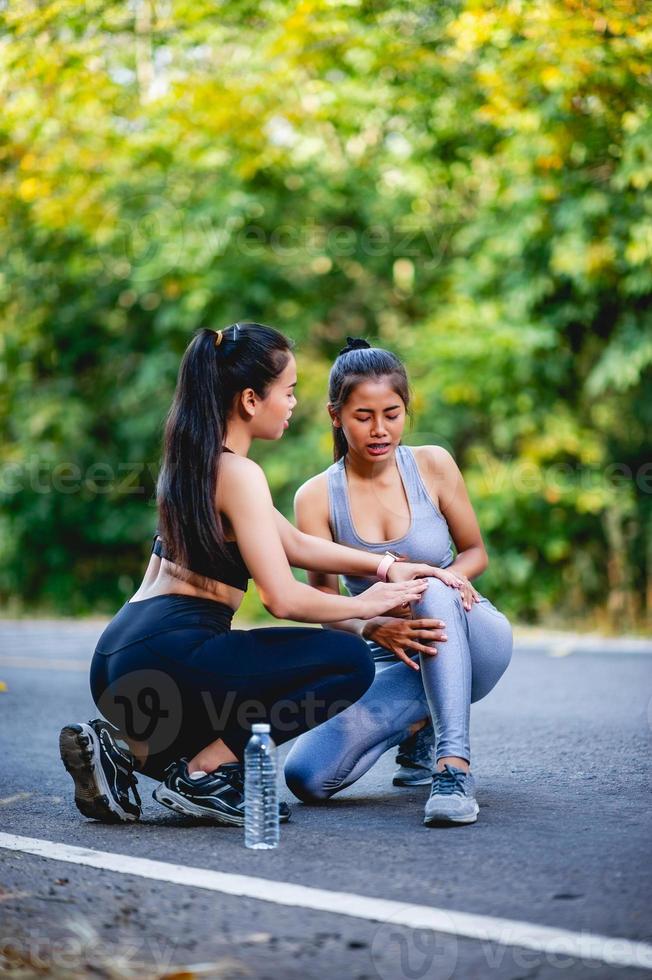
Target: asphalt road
[[562, 762]]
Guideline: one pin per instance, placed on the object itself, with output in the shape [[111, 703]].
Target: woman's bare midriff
[[163, 577]]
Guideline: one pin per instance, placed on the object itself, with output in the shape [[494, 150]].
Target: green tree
[[465, 182]]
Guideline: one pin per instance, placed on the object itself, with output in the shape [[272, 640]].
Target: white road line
[[46, 663], [486, 928]]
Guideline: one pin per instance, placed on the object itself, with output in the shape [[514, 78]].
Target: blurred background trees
[[466, 182]]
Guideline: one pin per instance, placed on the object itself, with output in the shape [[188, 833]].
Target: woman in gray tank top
[[452, 646]]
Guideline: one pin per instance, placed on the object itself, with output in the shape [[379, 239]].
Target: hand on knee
[[439, 600]]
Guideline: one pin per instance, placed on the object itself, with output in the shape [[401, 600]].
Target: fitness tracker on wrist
[[386, 563]]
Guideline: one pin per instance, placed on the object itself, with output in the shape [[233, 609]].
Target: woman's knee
[[507, 647], [304, 781], [487, 675], [504, 642], [439, 599]]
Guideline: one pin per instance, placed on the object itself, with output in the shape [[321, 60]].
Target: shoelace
[[231, 774], [124, 765], [132, 782], [419, 753], [449, 781], [423, 737], [235, 777]]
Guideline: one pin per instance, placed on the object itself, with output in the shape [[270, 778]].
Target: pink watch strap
[[385, 564]]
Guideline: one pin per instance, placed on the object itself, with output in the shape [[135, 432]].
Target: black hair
[[354, 363], [216, 367]]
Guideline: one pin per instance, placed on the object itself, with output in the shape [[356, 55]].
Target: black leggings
[[169, 671]]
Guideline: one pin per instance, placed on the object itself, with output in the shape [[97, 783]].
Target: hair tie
[[236, 331], [354, 343], [218, 337]]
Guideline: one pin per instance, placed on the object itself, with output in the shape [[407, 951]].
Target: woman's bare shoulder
[[314, 492], [233, 463], [239, 472], [435, 460]]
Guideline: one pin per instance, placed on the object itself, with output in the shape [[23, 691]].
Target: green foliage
[[466, 182]]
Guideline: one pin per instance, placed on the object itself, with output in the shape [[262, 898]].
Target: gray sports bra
[[428, 537]]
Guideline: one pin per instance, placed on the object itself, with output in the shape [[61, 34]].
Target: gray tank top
[[427, 539]]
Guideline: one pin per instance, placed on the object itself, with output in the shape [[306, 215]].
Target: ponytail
[[216, 366]]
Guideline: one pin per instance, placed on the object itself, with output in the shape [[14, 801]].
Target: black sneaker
[[217, 796], [102, 772]]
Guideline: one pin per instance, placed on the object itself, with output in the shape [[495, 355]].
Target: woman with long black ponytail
[[178, 688]]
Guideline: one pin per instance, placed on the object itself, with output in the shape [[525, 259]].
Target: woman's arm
[[455, 505], [245, 499], [319, 553], [311, 515], [397, 634]]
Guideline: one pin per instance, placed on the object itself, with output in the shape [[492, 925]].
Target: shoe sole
[[79, 748], [179, 804], [443, 821], [424, 781], [174, 801]]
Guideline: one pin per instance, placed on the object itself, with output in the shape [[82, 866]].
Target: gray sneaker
[[452, 798], [416, 758]]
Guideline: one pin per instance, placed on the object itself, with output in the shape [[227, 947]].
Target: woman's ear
[[334, 416], [248, 401]]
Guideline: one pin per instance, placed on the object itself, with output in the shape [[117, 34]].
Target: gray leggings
[[469, 664]]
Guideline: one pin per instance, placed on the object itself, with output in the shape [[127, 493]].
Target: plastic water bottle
[[261, 795]]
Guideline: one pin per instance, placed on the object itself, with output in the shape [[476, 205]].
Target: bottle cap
[[262, 728]]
